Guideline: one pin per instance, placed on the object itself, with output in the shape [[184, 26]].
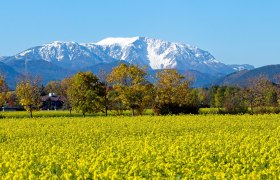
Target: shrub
[[173, 108], [266, 110]]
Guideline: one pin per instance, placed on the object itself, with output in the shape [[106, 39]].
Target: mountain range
[[242, 78], [57, 60]]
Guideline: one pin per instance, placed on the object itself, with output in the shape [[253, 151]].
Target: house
[[16, 108], [52, 102]]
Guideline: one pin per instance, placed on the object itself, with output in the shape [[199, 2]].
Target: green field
[[150, 147]]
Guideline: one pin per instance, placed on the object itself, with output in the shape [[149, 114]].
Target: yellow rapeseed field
[[148, 147]]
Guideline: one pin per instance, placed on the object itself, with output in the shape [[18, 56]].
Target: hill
[[241, 78]]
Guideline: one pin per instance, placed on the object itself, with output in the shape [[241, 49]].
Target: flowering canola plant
[[148, 147]]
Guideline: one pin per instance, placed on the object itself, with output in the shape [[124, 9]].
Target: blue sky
[[234, 31]]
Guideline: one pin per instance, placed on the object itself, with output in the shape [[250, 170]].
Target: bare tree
[[260, 92]]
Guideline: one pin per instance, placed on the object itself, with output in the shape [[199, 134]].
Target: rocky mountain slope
[[56, 60]]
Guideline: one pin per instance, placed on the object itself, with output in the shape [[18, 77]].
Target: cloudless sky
[[234, 31]]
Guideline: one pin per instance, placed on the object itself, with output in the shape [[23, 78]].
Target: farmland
[[173, 147]]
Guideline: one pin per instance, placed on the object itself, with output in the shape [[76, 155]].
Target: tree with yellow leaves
[[3, 91], [173, 94], [131, 87], [29, 94]]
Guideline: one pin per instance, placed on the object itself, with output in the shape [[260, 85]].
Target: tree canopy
[[131, 87], [173, 94], [84, 93], [29, 94], [3, 91]]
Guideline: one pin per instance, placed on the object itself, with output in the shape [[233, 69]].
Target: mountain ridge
[[242, 78], [144, 51], [57, 59]]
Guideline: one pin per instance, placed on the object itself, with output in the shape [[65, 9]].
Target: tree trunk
[[84, 114], [31, 115], [132, 111], [105, 104], [70, 111], [251, 107]]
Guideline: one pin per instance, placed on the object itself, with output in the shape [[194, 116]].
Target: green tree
[[219, 97], [29, 94], [83, 93], [234, 100], [194, 98], [64, 85], [106, 92], [54, 87], [212, 92], [116, 102], [203, 97], [131, 87], [272, 97]]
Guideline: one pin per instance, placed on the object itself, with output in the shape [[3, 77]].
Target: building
[[52, 102]]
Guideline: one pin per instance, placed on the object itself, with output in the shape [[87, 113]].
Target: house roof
[[52, 98]]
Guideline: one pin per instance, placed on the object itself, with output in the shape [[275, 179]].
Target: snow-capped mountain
[[153, 53], [2, 57], [159, 54], [240, 67], [66, 54], [57, 60]]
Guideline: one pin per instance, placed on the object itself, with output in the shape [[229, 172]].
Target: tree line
[[127, 88]]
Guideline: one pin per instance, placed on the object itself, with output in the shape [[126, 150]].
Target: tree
[[64, 85], [277, 87], [3, 91], [173, 94], [212, 93], [105, 91], [204, 97], [234, 100], [54, 87], [12, 99], [29, 94], [131, 87], [219, 97], [116, 102], [272, 97], [261, 93], [83, 93]]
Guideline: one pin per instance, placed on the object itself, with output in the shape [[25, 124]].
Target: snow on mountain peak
[[159, 54], [2, 57], [117, 41], [56, 51], [60, 43], [143, 51]]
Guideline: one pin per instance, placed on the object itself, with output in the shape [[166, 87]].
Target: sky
[[233, 31]]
